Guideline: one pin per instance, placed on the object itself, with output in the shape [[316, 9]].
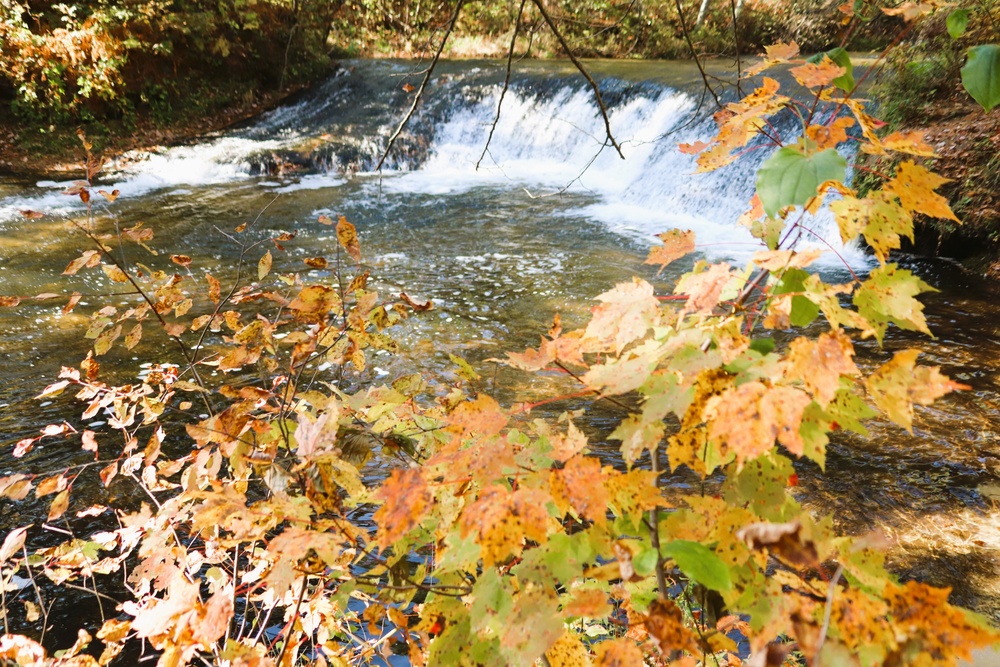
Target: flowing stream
[[549, 220]]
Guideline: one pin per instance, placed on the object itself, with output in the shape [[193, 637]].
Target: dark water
[[533, 232]]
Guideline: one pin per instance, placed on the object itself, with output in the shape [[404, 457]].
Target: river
[[547, 221]]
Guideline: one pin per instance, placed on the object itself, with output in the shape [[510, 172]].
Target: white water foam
[[549, 145]]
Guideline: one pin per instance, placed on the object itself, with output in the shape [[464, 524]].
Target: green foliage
[[792, 176], [981, 75], [72, 62]]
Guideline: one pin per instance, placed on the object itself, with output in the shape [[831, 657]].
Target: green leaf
[[645, 563], [699, 563], [840, 56], [888, 297], [762, 345], [981, 75], [957, 22], [790, 178]]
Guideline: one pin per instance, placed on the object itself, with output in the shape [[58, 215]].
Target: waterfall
[[549, 141]]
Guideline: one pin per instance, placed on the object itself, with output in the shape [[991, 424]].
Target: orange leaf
[[781, 51], [405, 499], [820, 363], [348, 237], [676, 244], [812, 75]]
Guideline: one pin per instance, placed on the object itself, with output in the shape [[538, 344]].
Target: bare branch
[[694, 53], [423, 85], [579, 66], [506, 81]]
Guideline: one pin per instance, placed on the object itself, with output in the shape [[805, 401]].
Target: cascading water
[[549, 139]]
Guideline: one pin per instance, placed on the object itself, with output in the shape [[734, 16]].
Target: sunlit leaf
[[264, 265], [900, 384], [791, 178], [347, 235]]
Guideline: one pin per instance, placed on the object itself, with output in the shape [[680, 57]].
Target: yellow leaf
[[915, 185], [899, 384], [348, 237], [264, 265], [59, 505]]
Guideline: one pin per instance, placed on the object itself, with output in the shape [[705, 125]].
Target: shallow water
[[533, 232]]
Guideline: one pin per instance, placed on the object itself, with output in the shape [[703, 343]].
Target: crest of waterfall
[[549, 141]]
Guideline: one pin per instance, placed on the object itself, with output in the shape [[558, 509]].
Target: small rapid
[[548, 139]]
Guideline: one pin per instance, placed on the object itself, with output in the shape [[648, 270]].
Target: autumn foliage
[[496, 539]]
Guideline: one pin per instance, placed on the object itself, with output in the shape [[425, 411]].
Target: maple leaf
[[587, 603], [618, 653], [580, 485], [878, 217], [626, 373], [633, 492], [832, 135], [942, 633], [820, 363], [405, 500], [703, 288], [481, 418], [625, 314], [814, 75], [638, 434], [501, 520], [775, 260], [898, 385], [747, 419], [781, 51], [909, 142], [888, 297], [693, 148], [565, 447], [915, 185], [568, 651], [676, 244], [665, 623]]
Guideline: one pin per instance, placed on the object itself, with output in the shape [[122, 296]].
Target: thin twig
[[583, 70], [506, 82], [423, 85], [694, 53], [829, 608]]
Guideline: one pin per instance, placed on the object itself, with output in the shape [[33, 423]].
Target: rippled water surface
[[547, 222]]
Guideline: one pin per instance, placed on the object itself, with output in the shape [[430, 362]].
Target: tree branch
[[506, 82], [579, 66], [423, 85]]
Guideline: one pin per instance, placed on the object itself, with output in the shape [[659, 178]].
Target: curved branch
[[423, 85], [506, 82], [586, 75]]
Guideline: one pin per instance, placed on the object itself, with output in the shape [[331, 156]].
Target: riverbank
[[57, 152]]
